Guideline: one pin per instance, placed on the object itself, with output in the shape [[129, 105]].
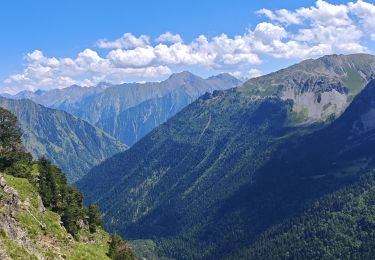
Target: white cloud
[[87, 69], [138, 57], [302, 33], [252, 73], [169, 37], [283, 16], [366, 13], [321, 29], [220, 52], [268, 33], [326, 14], [127, 41]]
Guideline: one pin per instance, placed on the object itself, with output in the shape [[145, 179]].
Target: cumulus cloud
[[87, 69], [322, 29], [252, 73], [366, 13], [169, 37], [283, 16], [306, 32], [127, 41]]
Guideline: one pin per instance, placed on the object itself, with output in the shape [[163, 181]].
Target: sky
[[55, 44]]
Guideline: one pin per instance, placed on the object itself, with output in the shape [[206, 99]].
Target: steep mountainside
[[30, 231], [337, 226], [130, 111], [315, 172], [320, 88], [199, 184], [41, 215], [72, 144]]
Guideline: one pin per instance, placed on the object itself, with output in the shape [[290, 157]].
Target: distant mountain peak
[[104, 85], [183, 75], [75, 86], [186, 76], [222, 76], [226, 77], [39, 92]]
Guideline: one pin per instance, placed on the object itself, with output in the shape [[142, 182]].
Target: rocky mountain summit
[[320, 88]]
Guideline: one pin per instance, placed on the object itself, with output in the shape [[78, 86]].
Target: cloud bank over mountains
[[306, 32]]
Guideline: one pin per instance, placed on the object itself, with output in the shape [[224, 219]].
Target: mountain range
[[130, 111], [72, 144], [224, 176]]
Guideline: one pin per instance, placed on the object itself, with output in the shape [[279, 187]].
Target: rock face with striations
[[320, 88], [28, 230], [10, 228]]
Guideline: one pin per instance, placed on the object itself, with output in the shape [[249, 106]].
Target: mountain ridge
[[131, 110], [73, 144], [320, 88]]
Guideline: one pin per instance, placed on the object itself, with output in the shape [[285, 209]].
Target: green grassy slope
[[39, 233]]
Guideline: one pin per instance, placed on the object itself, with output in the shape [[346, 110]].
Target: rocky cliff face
[[320, 88], [14, 235], [30, 231]]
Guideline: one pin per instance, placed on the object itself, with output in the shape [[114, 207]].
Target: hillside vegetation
[[41, 216]]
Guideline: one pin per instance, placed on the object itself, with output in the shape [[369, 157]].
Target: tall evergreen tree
[[11, 148], [95, 218], [119, 249]]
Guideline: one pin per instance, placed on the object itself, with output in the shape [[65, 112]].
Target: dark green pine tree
[[13, 157], [60, 197], [95, 218], [119, 249], [73, 211], [114, 244]]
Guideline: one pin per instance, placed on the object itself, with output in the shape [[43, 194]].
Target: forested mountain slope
[[71, 143], [329, 177], [199, 184]]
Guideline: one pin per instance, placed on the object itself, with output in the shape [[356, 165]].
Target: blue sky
[[43, 39]]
